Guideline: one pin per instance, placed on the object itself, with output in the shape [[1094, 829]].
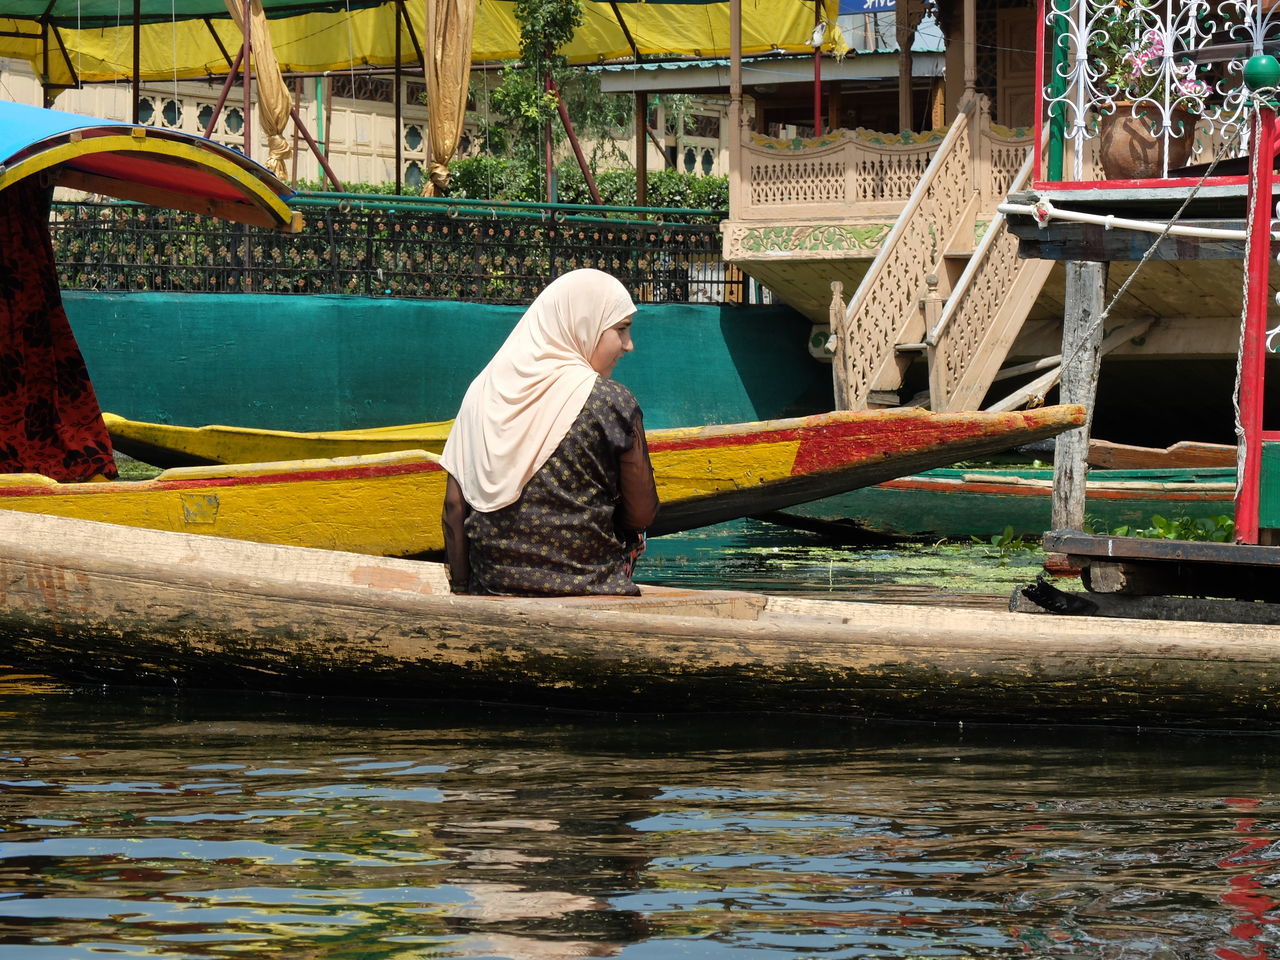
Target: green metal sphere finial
[[1262, 72]]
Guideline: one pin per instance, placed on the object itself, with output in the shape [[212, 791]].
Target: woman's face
[[613, 344]]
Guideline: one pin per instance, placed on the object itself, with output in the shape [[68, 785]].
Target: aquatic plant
[[1219, 529], [1005, 544]]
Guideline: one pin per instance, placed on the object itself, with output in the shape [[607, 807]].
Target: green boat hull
[[955, 502]]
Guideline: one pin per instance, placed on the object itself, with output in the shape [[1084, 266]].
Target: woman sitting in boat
[[550, 487]]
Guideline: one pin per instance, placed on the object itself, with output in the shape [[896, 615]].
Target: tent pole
[[315, 148], [548, 160], [642, 149], [137, 56], [247, 75], [735, 106], [46, 100], [222, 97], [399, 119], [297, 96], [577, 147], [817, 72]]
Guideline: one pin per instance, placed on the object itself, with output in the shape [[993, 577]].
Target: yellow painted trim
[[384, 515], [255, 191]]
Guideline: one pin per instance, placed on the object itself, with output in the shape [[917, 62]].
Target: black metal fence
[[439, 253]]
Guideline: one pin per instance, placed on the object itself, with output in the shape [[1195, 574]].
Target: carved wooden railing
[[985, 311], [818, 177], [885, 310]]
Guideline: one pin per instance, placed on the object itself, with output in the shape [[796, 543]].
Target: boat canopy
[[129, 161], [76, 41]]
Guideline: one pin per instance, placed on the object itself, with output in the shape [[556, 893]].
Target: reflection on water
[[134, 825], [202, 827]]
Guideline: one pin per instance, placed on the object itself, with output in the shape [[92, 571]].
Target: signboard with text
[[866, 6]]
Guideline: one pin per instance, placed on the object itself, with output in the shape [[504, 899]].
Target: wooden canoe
[[389, 504], [952, 502], [87, 601], [1107, 455], [167, 445]]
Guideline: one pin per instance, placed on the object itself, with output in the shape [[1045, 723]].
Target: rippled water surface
[[147, 825], [138, 825]]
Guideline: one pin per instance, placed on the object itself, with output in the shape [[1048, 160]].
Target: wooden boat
[[953, 502], [1187, 453], [389, 504], [170, 445], [88, 601]]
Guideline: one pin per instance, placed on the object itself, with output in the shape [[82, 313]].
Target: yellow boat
[[167, 445], [389, 504]]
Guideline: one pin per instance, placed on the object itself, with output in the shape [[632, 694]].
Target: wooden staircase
[[947, 283]]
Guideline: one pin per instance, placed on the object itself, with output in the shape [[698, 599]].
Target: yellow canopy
[[321, 37]]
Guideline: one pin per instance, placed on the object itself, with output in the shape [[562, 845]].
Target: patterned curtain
[[50, 422]]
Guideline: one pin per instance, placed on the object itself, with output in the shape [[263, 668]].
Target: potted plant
[[1154, 98]]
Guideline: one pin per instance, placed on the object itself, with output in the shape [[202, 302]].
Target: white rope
[[1255, 141], [1044, 210], [1165, 231]]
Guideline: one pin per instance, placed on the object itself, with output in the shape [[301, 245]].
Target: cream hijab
[[516, 412]]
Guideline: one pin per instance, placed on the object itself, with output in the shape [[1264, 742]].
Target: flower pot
[[1128, 150]]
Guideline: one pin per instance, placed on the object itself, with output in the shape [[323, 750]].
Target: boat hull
[[168, 445], [390, 504], [85, 601], [962, 503]]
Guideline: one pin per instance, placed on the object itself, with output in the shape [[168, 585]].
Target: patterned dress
[[559, 539], [50, 422]]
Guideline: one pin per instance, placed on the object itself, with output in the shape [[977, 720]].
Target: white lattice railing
[[983, 314], [940, 217], [802, 178], [1173, 68], [852, 172]]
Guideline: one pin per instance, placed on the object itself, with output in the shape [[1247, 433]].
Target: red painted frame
[[1039, 183]]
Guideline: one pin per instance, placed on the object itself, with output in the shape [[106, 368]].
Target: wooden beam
[[1068, 240]]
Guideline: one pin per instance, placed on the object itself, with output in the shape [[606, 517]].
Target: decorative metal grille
[[391, 253], [1169, 64]]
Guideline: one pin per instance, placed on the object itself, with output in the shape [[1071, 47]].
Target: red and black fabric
[[50, 421]]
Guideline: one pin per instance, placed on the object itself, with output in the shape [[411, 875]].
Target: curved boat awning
[[129, 161]]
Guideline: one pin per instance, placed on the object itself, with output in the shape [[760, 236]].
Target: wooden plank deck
[[1138, 566]]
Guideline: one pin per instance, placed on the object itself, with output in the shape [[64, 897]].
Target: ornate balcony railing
[[1171, 70], [860, 173], [380, 248]]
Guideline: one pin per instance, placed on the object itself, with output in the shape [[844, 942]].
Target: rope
[[1146, 257], [1258, 95]]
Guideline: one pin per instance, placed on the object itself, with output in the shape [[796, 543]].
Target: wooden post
[[817, 71], [839, 333], [736, 172], [970, 47], [1082, 355], [905, 34]]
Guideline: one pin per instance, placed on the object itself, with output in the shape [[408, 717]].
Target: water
[[136, 825], [750, 555], [145, 825]]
